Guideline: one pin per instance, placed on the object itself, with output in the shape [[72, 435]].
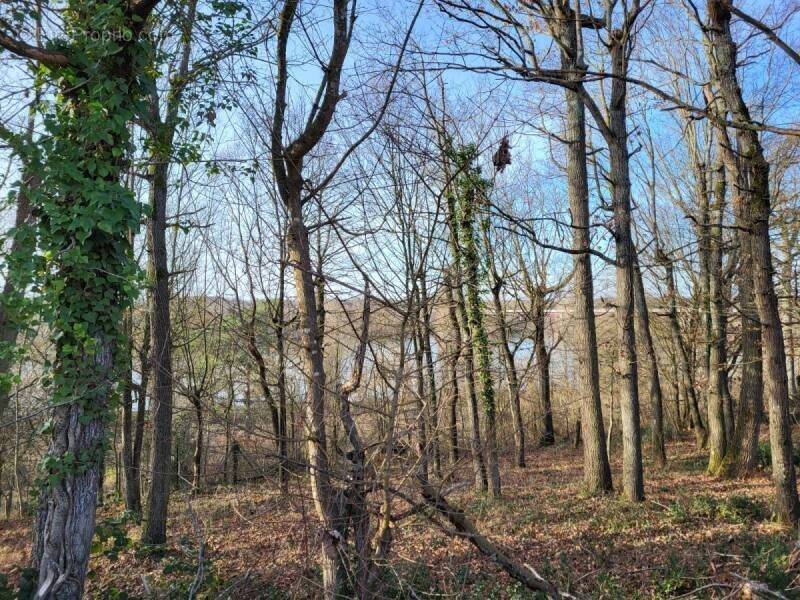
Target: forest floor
[[694, 537]]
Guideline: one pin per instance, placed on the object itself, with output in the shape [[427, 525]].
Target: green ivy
[[77, 273], [469, 191]]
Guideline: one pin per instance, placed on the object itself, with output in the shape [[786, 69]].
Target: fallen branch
[[523, 573]]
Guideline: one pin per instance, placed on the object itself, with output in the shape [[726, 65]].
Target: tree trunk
[[684, 363], [133, 499], [468, 350], [754, 196], [717, 390], [141, 413], [430, 376], [453, 352], [155, 530], [537, 294], [741, 458], [279, 320], [505, 351], [543, 370], [235, 452], [632, 473], [162, 134], [197, 457], [314, 370], [478, 339], [596, 470], [66, 519], [423, 449], [658, 448]]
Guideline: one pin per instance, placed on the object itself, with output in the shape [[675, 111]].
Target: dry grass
[[693, 532]]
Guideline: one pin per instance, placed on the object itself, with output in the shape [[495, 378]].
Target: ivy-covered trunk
[[462, 324], [453, 351], [87, 271], [66, 517], [469, 187]]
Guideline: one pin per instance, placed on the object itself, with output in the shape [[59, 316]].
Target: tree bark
[[453, 353], [741, 459], [543, 371], [423, 448], [632, 472], [197, 456], [596, 469], [717, 389], [430, 376], [162, 134], [66, 518], [754, 196], [155, 530], [133, 433]]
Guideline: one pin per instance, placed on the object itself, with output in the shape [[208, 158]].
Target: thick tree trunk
[[632, 473], [741, 458], [66, 519], [596, 469], [717, 390], [658, 448], [754, 196]]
